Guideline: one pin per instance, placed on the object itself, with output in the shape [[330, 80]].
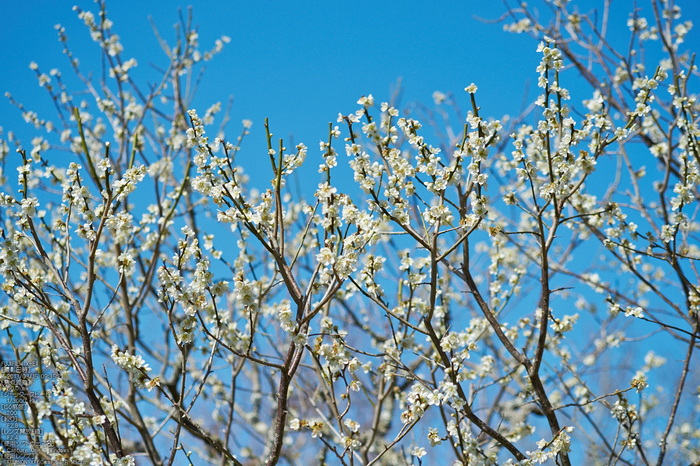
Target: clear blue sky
[[298, 63]]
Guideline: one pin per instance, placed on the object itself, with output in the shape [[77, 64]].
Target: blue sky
[[298, 63]]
